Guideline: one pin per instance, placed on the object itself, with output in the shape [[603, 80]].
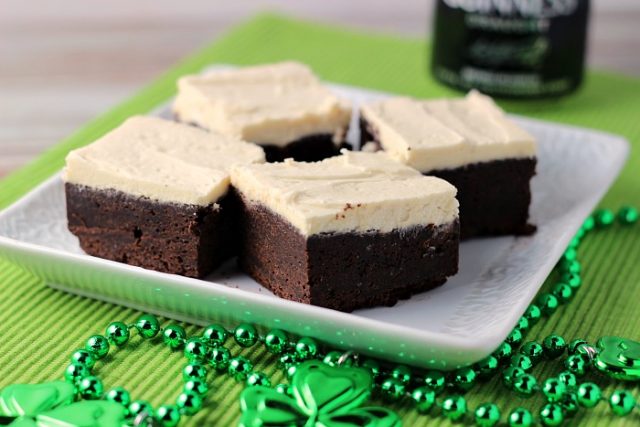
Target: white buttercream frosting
[[447, 133], [271, 104], [353, 192], [161, 160]]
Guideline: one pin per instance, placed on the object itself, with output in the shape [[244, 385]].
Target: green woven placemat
[[40, 327]]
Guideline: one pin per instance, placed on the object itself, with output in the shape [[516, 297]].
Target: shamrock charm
[[619, 358], [323, 396], [51, 405]]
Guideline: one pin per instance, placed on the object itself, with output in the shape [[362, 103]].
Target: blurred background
[[64, 62]]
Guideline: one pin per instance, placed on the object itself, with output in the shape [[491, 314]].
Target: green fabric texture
[[40, 327]]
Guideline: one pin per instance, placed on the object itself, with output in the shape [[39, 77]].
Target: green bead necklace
[[329, 388]]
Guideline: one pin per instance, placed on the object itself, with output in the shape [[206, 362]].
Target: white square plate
[[456, 324]]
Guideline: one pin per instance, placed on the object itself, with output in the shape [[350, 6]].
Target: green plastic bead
[[454, 407], [551, 415], [589, 223], [568, 379], [97, 345], [245, 335], [572, 280], [520, 417], [464, 378], [589, 395], [239, 367], [173, 336], [138, 407], [189, 403], [90, 388], [510, 374], [523, 324], [117, 333], [291, 370], [553, 389], [487, 415], [425, 398], [628, 215], [276, 341], [574, 345], [306, 348], [194, 371], [515, 338], [604, 217], [570, 254], [198, 387], [621, 402], [576, 364], [332, 358], [168, 415], [284, 389], [118, 395], [392, 389], [533, 350], [147, 326], [525, 385], [75, 373], [288, 359], [572, 267], [402, 373], [554, 346], [219, 358], [215, 335], [258, 379], [548, 303], [195, 350], [521, 361], [487, 367], [563, 292], [372, 366], [569, 404], [533, 313], [435, 380], [574, 243], [503, 352], [83, 358]]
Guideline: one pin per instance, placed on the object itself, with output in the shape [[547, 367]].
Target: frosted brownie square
[[153, 193], [470, 143], [352, 231], [283, 107]]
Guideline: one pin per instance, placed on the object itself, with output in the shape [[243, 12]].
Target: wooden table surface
[[63, 62]]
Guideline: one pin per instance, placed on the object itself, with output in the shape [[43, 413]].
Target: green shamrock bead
[[215, 335], [117, 333], [239, 367], [392, 389], [551, 415], [576, 364], [572, 280], [464, 378], [194, 371], [510, 374], [435, 380], [618, 358], [525, 385], [487, 415], [198, 387], [563, 292], [306, 348], [371, 366], [168, 415], [97, 345], [548, 303], [487, 367], [621, 402], [604, 218], [118, 395], [332, 358], [568, 379], [257, 379], [147, 326], [569, 404], [425, 398], [75, 373], [245, 335], [276, 341], [402, 373], [533, 350], [589, 395], [173, 336], [553, 389], [454, 407], [514, 338], [219, 358], [83, 358], [520, 417], [195, 350], [628, 215], [90, 388], [521, 361], [503, 352], [138, 407], [189, 403], [533, 314], [554, 346]]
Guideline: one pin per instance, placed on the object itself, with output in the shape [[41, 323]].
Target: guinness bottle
[[511, 48]]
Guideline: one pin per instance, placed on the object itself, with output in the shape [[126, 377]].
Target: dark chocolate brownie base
[[182, 239], [310, 148], [494, 196], [345, 271]]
